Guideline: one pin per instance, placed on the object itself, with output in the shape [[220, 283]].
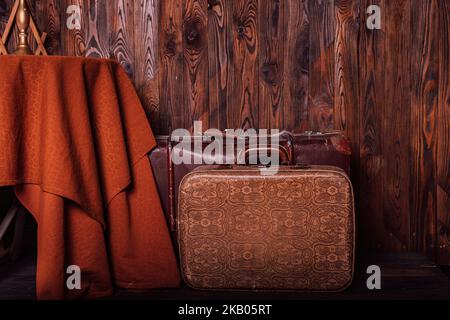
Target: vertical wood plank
[[425, 67], [346, 76], [97, 23], [195, 47], [272, 45], [219, 55], [347, 82], [443, 146], [396, 126], [296, 69], [443, 221], [48, 20], [35, 10], [12, 40], [73, 42], [171, 76], [146, 55], [243, 101], [146, 22], [372, 55], [92, 40], [121, 34], [321, 59]]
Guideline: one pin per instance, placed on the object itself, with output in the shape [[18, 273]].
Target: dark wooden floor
[[404, 276]]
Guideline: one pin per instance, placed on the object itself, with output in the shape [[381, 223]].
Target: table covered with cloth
[[74, 140]]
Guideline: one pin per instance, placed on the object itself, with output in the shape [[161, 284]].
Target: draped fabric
[[74, 140]]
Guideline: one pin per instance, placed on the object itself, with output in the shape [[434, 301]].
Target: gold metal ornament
[[20, 14], [23, 23]]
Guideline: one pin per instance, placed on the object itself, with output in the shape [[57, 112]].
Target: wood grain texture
[[48, 17], [425, 71], [443, 133], [97, 24], [73, 42], [145, 33], [4, 12], [12, 39], [372, 56], [347, 78], [145, 28], [443, 210], [346, 74], [121, 44], [444, 97], [219, 56], [395, 126], [171, 71], [295, 65], [195, 48], [321, 64], [243, 80], [272, 45]]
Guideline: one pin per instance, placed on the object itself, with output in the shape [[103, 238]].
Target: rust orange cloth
[[74, 141]]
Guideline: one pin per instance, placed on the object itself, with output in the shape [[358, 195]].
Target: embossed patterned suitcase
[[238, 229], [168, 175], [311, 148]]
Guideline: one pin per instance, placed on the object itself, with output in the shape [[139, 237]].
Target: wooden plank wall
[[443, 137], [296, 65]]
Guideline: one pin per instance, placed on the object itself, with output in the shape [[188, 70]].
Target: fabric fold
[[74, 142]]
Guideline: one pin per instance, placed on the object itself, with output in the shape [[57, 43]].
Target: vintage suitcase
[[317, 148], [168, 175], [238, 229], [161, 165], [312, 148]]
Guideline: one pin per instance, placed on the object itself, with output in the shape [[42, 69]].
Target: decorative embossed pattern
[[242, 230]]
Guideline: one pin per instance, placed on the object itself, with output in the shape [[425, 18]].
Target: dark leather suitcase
[[162, 167], [309, 148], [327, 149], [238, 229], [168, 175]]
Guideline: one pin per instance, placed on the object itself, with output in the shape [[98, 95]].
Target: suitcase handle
[[285, 157]]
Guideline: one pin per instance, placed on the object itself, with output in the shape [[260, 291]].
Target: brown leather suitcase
[[238, 229], [168, 175], [162, 171], [311, 148], [326, 149]]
